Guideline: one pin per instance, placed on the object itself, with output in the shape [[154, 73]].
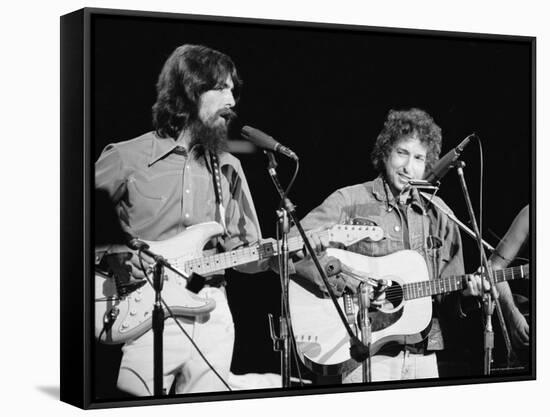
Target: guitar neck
[[457, 282], [242, 256]]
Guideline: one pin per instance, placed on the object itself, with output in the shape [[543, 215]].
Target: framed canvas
[[148, 102]]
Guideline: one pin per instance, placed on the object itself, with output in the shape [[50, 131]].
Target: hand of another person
[[342, 282], [379, 294], [519, 328]]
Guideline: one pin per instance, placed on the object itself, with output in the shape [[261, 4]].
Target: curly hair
[[187, 73], [400, 124]]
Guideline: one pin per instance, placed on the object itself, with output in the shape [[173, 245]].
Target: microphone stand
[[490, 298], [284, 321], [158, 315], [158, 330], [358, 350], [365, 326], [282, 342]]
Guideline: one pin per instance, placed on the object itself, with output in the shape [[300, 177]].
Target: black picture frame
[[109, 63]]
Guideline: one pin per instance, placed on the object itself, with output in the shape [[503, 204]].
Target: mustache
[[227, 114]]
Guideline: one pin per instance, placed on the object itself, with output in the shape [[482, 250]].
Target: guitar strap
[[216, 178]]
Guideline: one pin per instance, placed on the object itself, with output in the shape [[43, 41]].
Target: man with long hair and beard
[[165, 181]]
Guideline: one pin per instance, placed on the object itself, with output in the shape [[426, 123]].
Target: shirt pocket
[[437, 255], [148, 195]]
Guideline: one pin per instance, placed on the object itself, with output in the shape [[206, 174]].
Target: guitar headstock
[[349, 234]]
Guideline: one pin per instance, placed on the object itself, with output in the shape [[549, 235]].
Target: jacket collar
[[382, 192]]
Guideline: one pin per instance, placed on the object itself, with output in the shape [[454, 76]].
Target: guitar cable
[[172, 315]]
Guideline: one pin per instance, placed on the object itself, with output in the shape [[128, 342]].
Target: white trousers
[[214, 334], [405, 365]]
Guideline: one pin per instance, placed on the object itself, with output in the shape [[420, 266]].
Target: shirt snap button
[[397, 228]]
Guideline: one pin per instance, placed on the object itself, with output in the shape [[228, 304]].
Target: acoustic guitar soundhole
[[390, 312], [394, 296]]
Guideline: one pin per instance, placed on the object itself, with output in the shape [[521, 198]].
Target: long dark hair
[[400, 124], [187, 73]]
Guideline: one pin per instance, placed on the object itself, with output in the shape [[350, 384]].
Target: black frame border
[[76, 211]]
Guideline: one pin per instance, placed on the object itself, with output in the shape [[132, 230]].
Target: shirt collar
[[160, 147]]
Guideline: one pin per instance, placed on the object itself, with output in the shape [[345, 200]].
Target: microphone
[[444, 164], [264, 141]]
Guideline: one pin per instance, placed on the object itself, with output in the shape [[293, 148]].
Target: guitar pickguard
[[381, 320]]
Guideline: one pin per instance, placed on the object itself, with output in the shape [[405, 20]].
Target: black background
[[325, 92]]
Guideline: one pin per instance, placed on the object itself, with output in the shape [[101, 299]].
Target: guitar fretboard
[[238, 257], [345, 234], [457, 282]]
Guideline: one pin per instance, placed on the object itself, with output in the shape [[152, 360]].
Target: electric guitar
[[124, 311], [321, 339]]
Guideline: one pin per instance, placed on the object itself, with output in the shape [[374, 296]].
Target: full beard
[[212, 135]]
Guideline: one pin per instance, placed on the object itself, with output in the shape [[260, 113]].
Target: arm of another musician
[[512, 242], [505, 253]]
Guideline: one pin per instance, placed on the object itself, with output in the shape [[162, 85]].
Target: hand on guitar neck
[[474, 285]]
